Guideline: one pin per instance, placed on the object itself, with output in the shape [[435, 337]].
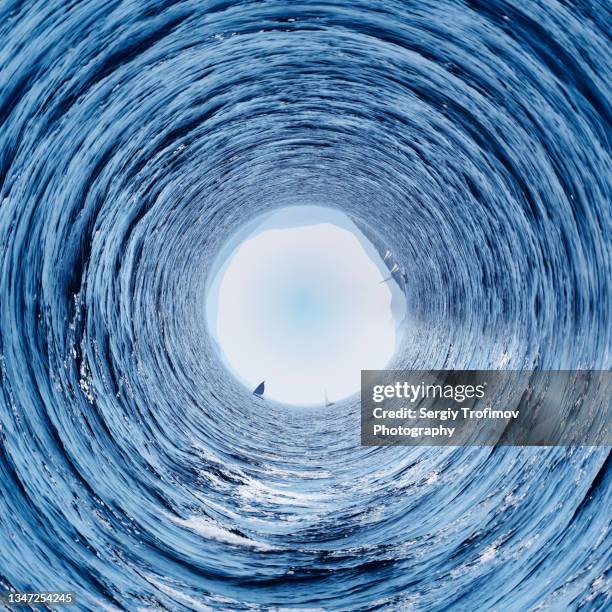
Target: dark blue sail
[[259, 389]]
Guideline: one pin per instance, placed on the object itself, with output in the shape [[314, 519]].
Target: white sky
[[303, 309]]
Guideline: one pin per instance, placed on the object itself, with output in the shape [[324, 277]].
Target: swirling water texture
[[470, 137]]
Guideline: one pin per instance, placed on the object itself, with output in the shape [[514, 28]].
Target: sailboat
[[327, 402], [259, 390], [394, 268]]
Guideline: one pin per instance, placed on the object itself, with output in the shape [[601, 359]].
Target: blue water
[[471, 138]]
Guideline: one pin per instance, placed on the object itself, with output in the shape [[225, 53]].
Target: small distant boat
[[394, 268], [327, 402], [387, 255], [259, 390]]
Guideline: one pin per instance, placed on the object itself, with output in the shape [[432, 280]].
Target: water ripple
[[471, 138]]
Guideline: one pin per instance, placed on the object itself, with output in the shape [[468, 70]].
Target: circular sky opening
[[302, 300]]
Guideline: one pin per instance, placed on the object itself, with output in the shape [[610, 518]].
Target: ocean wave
[[470, 138]]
